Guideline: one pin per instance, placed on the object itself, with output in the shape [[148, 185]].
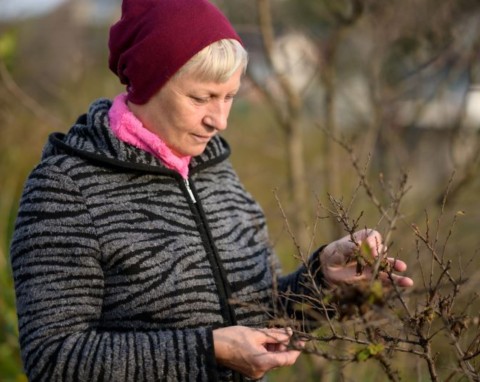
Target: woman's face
[[186, 113]]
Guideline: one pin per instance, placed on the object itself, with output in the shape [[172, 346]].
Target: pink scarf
[[129, 129]]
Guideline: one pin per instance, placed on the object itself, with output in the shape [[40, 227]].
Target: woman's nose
[[217, 116]]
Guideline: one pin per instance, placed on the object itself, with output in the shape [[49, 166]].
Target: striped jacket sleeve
[[302, 290], [59, 282]]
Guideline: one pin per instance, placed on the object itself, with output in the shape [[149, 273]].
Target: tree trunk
[[297, 182]]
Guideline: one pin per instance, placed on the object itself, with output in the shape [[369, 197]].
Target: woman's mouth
[[202, 138]]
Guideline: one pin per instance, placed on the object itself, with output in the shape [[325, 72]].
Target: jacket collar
[[91, 138]]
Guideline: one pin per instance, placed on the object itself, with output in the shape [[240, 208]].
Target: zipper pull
[[192, 197]]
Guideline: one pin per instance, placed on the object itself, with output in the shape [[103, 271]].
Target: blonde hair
[[217, 62]]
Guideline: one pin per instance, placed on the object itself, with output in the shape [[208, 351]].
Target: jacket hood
[[92, 139]]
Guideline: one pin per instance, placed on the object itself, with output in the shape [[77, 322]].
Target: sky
[[24, 8]]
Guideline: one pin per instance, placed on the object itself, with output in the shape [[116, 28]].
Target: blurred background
[[338, 92]]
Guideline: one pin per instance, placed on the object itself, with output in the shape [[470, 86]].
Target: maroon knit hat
[[155, 38]]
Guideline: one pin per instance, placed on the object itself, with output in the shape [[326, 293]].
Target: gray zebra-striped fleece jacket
[[122, 269]]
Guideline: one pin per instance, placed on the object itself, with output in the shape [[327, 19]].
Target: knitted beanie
[[155, 38]]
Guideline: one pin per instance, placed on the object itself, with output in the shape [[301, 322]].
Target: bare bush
[[435, 326]]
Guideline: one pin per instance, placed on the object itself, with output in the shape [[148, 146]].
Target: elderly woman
[[137, 253]]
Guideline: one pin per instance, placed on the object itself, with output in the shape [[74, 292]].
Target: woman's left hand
[[343, 261]]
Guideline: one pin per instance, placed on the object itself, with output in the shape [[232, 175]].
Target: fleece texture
[[128, 128]]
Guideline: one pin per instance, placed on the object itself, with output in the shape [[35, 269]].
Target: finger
[[397, 265], [289, 357], [368, 237], [367, 233], [386, 279], [277, 335], [299, 344], [280, 359], [348, 276], [374, 241], [293, 343], [402, 281]]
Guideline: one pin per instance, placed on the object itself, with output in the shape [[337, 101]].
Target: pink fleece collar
[[129, 129]]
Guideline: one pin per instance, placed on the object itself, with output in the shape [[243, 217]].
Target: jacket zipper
[[189, 190], [219, 275], [215, 262]]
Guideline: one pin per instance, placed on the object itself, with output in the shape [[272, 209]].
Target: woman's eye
[[199, 99]]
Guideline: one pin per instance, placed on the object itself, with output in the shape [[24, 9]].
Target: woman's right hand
[[254, 352]]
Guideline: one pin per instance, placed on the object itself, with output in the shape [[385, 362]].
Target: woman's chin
[[192, 150]]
